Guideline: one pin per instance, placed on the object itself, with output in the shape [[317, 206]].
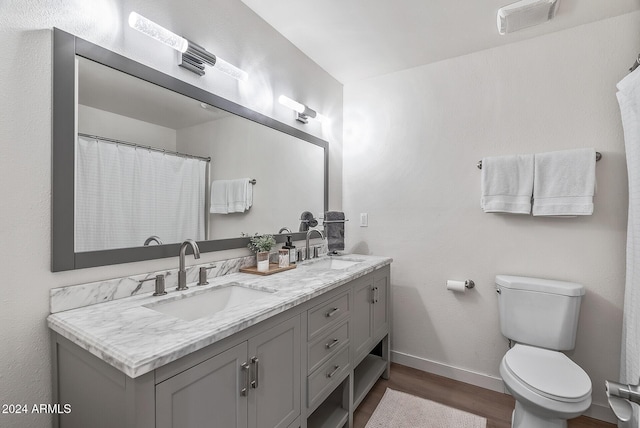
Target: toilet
[[541, 317]]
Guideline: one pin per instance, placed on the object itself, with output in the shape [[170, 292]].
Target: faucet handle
[[159, 285], [203, 275]]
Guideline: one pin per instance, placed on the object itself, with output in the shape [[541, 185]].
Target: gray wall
[[412, 141], [227, 28]]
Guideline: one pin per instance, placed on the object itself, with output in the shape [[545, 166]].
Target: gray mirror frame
[[63, 256]]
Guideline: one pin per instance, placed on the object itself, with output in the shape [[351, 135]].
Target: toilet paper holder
[[460, 286]]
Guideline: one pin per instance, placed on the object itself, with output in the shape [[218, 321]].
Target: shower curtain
[[629, 100], [126, 194]]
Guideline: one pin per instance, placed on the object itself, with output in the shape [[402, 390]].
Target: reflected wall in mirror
[[119, 100]]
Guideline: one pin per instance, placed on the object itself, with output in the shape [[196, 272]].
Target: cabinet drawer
[[326, 315], [327, 346], [327, 376]]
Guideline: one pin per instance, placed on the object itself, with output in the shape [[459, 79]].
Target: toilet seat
[[550, 374]]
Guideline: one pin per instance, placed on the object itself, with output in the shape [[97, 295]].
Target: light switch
[[364, 219]]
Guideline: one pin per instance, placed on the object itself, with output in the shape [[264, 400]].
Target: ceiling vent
[[525, 13]]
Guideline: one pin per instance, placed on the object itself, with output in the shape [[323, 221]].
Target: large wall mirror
[[141, 158]]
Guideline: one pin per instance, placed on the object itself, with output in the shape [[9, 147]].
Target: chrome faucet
[[182, 273], [151, 239], [309, 232], [282, 229]]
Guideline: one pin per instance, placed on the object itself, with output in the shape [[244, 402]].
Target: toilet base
[[523, 418]]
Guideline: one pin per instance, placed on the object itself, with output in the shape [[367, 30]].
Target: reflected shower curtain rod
[[154, 149]]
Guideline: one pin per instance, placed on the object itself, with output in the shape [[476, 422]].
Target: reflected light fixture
[[303, 113], [193, 56]]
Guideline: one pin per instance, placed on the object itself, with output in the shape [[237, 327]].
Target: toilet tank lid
[[540, 285]]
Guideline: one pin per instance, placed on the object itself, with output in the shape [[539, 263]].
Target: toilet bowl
[[541, 317], [548, 387]]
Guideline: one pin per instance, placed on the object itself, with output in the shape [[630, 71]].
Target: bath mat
[[400, 410]]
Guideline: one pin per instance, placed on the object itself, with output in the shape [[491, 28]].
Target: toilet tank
[[539, 312]]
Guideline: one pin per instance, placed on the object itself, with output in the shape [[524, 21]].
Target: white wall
[[412, 141], [227, 28], [289, 173], [103, 123]]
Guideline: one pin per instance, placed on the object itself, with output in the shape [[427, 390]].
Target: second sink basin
[[332, 264], [209, 302]]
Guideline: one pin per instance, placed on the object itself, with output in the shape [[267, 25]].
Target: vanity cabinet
[[307, 367], [211, 391], [371, 327], [254, 384], [370, 317]]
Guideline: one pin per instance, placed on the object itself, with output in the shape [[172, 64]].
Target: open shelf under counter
[[365, 376]]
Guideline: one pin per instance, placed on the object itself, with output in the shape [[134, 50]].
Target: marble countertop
[[137, 339]]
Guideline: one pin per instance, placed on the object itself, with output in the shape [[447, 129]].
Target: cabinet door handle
[[245, 368], [332, 312], [375, 294], [256, 372], [335, 370], [333, 343]]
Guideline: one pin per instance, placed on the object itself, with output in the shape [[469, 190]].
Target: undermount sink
[[209, 302], [332, 264]]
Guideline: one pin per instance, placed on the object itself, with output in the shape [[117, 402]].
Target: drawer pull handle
[[335, 370], [332, 312], [333, 343], [255, 362], [245, 369]]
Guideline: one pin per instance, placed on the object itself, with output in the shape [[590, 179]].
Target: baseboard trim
[[455, 373], [596, 411]]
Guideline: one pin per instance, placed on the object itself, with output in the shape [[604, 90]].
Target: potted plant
[[261, 245]]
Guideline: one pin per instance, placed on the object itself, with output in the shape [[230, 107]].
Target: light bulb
[[157, 32], [294, 105], [230, 69], [321, 117]]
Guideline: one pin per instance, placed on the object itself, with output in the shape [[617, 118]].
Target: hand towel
[[334, 230], [240, 195], [507, 184], [231, 196], [219, 197], [564, 183]]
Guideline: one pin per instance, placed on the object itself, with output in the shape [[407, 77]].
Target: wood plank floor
[[494, 406]]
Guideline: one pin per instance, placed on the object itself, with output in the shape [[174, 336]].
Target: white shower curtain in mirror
[[629, 100], [125, 194]]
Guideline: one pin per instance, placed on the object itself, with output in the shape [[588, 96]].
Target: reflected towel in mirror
[[231, 196], [334, 230]]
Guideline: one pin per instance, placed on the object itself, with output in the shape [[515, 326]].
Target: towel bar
[[334, 221], [598, 157]]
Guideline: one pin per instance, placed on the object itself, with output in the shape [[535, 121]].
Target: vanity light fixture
[[303, 113], [193, 57]]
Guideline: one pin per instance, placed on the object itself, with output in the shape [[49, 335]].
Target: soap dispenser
[[292, 250]]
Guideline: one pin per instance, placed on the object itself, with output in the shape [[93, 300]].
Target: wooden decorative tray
[[273, 268]]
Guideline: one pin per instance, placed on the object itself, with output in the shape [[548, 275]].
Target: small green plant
[[260, 243]]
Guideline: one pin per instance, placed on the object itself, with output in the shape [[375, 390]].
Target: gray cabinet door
[[207, 395], [274, 355], [361, 317], [380, 304]]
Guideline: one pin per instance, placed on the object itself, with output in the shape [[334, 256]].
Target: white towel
[[231, 196], [507, 184], [564, 183]]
